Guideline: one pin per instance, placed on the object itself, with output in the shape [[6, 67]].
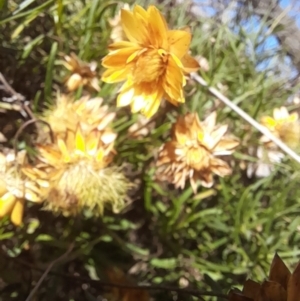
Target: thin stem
[[247, 117], [100, 283], [50, 266]]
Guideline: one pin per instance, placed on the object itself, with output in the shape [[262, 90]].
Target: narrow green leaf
[[50, 66]]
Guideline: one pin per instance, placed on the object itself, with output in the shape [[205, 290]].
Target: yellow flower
[[153, 63], [14, 187], [117, 33], [192, 152], [82, 74], [281, 286], [284, 126], [67, 113], [74, 172]]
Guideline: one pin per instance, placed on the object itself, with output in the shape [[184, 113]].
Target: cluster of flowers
[[153, 62], [74, 171]]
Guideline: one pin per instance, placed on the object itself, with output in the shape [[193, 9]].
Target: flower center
[[197, 157], [150, 66]]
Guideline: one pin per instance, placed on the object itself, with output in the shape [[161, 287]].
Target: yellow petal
[[92, 144], [138, 10], [179, 42], [177, 60], [48, 154], [113, 76], [209, 122], [17, 212], [7, 202], [293, 117], [158, 28], [121, 44], [118, 58], [212, 139], [220, 167], [269, 122], [225, 145], [80, 141], [64, 150], [126, 95], [152, 105], [139, 102], [33, 195], [100, 156], [173, 81], [134, 30]]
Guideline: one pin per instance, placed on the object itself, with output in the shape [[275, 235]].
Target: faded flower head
[[15, 188], [67, 113], [117, 33], [282, 285], [74, 172], [153, 63], [82, 74], [193, 150], [284, 126]]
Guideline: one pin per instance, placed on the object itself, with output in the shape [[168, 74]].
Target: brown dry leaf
[[274, 291], [293, 287], [281, 286], [115, 275], [279, 272], [251, 289]]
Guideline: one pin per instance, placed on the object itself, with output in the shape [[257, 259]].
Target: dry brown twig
[[16, 101], [187, 291], [50, 266]]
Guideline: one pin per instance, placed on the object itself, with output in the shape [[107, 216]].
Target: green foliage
[[212, 240]]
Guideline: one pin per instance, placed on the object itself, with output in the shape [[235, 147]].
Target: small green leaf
[[168, 263]]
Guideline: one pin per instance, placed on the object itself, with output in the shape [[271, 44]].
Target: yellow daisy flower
[[153, 63], [74, 172], [284, 126], [192, 152], [66, 113]]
